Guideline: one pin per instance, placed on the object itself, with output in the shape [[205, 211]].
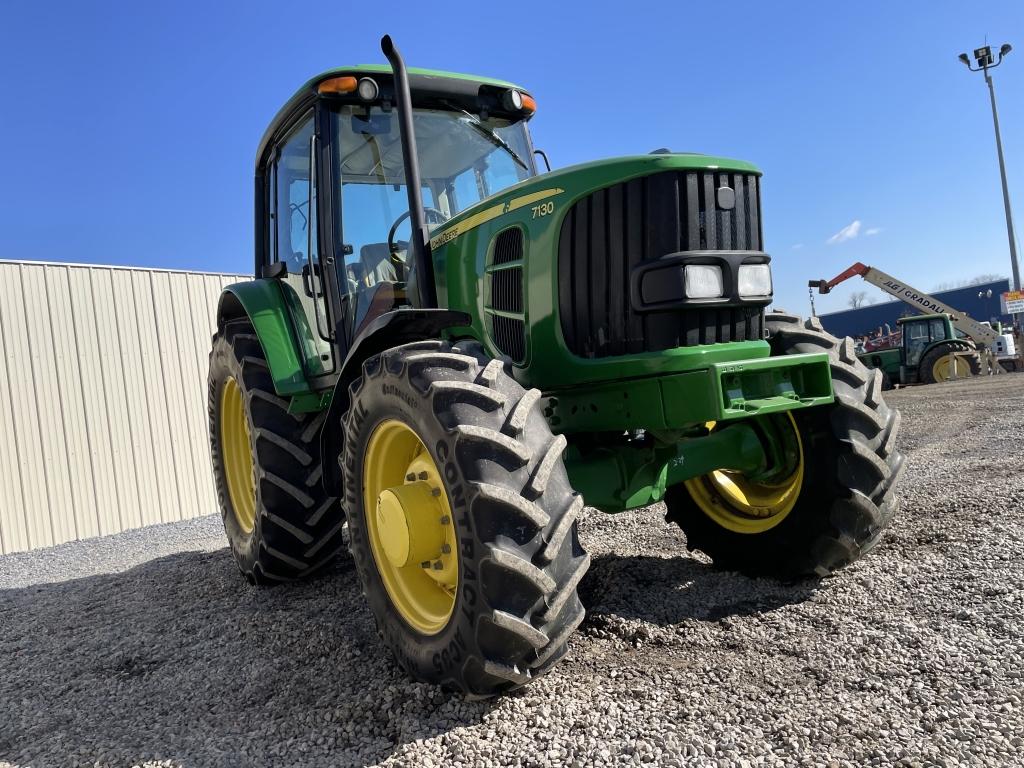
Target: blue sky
[[130, 128]]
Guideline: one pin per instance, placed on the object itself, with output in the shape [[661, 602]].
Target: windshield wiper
[[493, 137]]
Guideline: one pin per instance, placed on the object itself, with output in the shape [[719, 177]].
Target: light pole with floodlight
[[986, 61], [986, 295]]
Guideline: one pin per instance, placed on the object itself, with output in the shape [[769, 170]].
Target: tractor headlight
[[704, 281], [755, 280]]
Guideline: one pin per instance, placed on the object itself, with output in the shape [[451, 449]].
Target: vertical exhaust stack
[[419, 241]]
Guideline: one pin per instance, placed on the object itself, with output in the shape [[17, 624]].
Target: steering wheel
[[438, 216]]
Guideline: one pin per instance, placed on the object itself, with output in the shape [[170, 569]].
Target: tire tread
[[299, 526], [524, 510]]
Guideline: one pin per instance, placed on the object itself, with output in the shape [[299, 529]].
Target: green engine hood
[[513, 298], [573, 182]]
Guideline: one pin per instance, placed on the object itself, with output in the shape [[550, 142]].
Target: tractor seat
[[377, 264]]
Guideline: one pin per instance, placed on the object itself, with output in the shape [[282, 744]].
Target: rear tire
[[514, 512], [851, 466], [293, 527], [927, 373]]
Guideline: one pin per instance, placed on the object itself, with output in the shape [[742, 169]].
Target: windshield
[[463, 158]]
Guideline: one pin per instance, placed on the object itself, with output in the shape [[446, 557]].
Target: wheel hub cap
[[409, 526], [408, 518]]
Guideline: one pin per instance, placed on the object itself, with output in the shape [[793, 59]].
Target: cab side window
[[293, 233], [291, 199], [916, 339]]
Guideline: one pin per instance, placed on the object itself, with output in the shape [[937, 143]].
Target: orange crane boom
[[919, 300]]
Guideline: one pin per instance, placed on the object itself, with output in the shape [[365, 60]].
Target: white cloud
[[798, 246], [872, 231], [848, 232]]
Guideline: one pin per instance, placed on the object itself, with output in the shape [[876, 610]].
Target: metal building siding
[[102, 399]]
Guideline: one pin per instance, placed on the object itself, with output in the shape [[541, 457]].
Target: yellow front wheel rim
[[942, 370], [236, 450], [741, 505], [409, 526]]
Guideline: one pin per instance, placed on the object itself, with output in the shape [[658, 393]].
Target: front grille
[[505, 294], [612, 230]]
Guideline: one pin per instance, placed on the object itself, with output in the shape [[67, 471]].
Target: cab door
[[293, 244], [915, 341]]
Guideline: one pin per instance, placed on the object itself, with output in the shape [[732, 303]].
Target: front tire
[[846, 494], [485, 600], [280, 522]]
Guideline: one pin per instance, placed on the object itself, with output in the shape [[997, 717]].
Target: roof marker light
[[345, 84]]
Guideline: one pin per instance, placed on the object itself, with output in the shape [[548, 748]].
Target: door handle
[[308, 285]]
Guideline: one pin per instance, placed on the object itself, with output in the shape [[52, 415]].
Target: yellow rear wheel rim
[[409, 525], [741, 505], [236, 450], [942, 370]]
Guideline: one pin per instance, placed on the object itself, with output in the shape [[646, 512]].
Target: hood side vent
[[503, 297]]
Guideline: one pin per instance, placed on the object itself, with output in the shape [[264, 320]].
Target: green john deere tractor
[[448, 351], [932, 350]]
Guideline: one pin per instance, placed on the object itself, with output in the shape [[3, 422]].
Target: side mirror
[[543, 156], [276, 270]]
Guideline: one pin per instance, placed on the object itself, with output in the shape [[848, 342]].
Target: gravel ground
[[148, 648]]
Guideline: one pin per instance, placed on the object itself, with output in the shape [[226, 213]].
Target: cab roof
[[934, 316], [423, 83], [385, 69]]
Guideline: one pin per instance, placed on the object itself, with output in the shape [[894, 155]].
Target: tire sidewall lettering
[[470, 469]]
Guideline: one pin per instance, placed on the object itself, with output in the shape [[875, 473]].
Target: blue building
[[863, 320]]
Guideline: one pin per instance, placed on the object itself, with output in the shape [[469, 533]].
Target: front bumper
[[720, 392]]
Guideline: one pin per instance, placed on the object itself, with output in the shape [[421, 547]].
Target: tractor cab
[[333, 218], [920, 332], [931, 350], [934, 350]]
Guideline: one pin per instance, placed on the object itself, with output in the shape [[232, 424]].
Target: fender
[[400, 326], [264, 304]]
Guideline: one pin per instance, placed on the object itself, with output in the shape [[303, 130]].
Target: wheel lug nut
[[446, 549], [435, 491], [410, 477], [445, 520], [423, 475], [438, 565], [425, 564]]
